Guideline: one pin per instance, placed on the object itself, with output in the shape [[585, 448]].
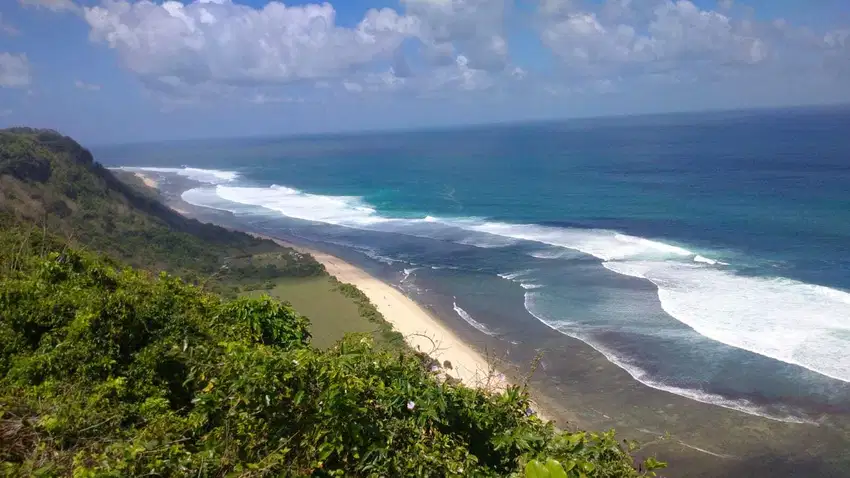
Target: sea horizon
[[443, 128]]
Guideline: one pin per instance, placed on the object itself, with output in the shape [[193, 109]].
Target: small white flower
[[294, 362], [411, 405], [435, 368]]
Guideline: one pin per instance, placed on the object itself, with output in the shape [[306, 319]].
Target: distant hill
[[49, 182]]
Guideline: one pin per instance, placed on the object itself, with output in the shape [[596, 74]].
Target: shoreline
[[583, 390], [147, 180], [421, 330]]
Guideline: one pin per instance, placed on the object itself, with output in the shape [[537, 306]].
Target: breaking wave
[[794, 322], [208, 176], [469, 320]]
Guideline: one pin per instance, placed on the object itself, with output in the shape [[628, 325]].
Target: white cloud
[[6, 28], [214, 44], [14, 70], [460, 76], [472, 28], [352, 87], [675, 35], [52, 5], [86, 86], [263, 99], [387, 80], [191, 51], [184, 50], [5, 112], [837, 38]]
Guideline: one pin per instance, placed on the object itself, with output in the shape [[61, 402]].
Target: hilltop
[[48, 181]]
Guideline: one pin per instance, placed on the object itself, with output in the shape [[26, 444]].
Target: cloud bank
[[204, 49], [14, 70]]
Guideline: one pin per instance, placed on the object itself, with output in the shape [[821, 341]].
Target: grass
[[331, 313]]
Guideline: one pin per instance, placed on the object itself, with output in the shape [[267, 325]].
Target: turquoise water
[[708, 255]]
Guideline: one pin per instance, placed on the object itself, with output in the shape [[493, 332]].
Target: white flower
[[411, 405], [295, 362]]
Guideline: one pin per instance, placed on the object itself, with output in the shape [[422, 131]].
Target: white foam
[[514, 275], [530, 286], [209, 176], [550, 254], [469, 320], [373, 254], [797, 323], [643, 377], [339, 210], [487, 241], [705, 260], [703, 450], [407, 273], [601, 243]]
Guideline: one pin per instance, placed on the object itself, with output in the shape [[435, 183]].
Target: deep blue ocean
[[706, 254]]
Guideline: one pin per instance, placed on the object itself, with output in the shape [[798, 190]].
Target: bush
[[113, 372]]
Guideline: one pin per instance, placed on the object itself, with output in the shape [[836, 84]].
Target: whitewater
[[783, 319]]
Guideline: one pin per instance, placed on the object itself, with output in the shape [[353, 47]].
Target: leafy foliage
[[110, 371], [49, 181], [114, 372], [388, 336]]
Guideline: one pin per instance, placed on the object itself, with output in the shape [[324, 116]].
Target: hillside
[[111, 372], [50, 182], [107, 370]]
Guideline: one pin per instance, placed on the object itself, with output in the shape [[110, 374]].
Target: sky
[[115, 71]]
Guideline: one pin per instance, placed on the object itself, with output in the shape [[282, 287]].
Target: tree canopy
[[109, 371]]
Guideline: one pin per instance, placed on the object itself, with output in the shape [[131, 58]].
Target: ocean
[[707, 255]]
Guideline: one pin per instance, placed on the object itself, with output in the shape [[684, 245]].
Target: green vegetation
[[50, 182], [370, 312], [114, 372], [331, 314], [106, 370]]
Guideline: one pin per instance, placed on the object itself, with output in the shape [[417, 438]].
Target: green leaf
[[555, 469], [535, 469]]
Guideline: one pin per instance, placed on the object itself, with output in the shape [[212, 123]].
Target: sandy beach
[[580, 388], [149, 182], [421, 330]]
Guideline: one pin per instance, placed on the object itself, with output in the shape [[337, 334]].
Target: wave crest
[[469, 320], [208, 176], [793, 322]]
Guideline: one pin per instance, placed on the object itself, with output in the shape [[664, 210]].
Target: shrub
[[113, 372]]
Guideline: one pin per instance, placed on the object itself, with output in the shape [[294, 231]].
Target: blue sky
[[108, 71]]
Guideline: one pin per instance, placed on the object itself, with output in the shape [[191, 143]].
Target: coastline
[[147, 180], [581, 389], [422, 331]]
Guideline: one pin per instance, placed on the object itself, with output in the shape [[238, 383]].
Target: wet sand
[[580, 388]]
